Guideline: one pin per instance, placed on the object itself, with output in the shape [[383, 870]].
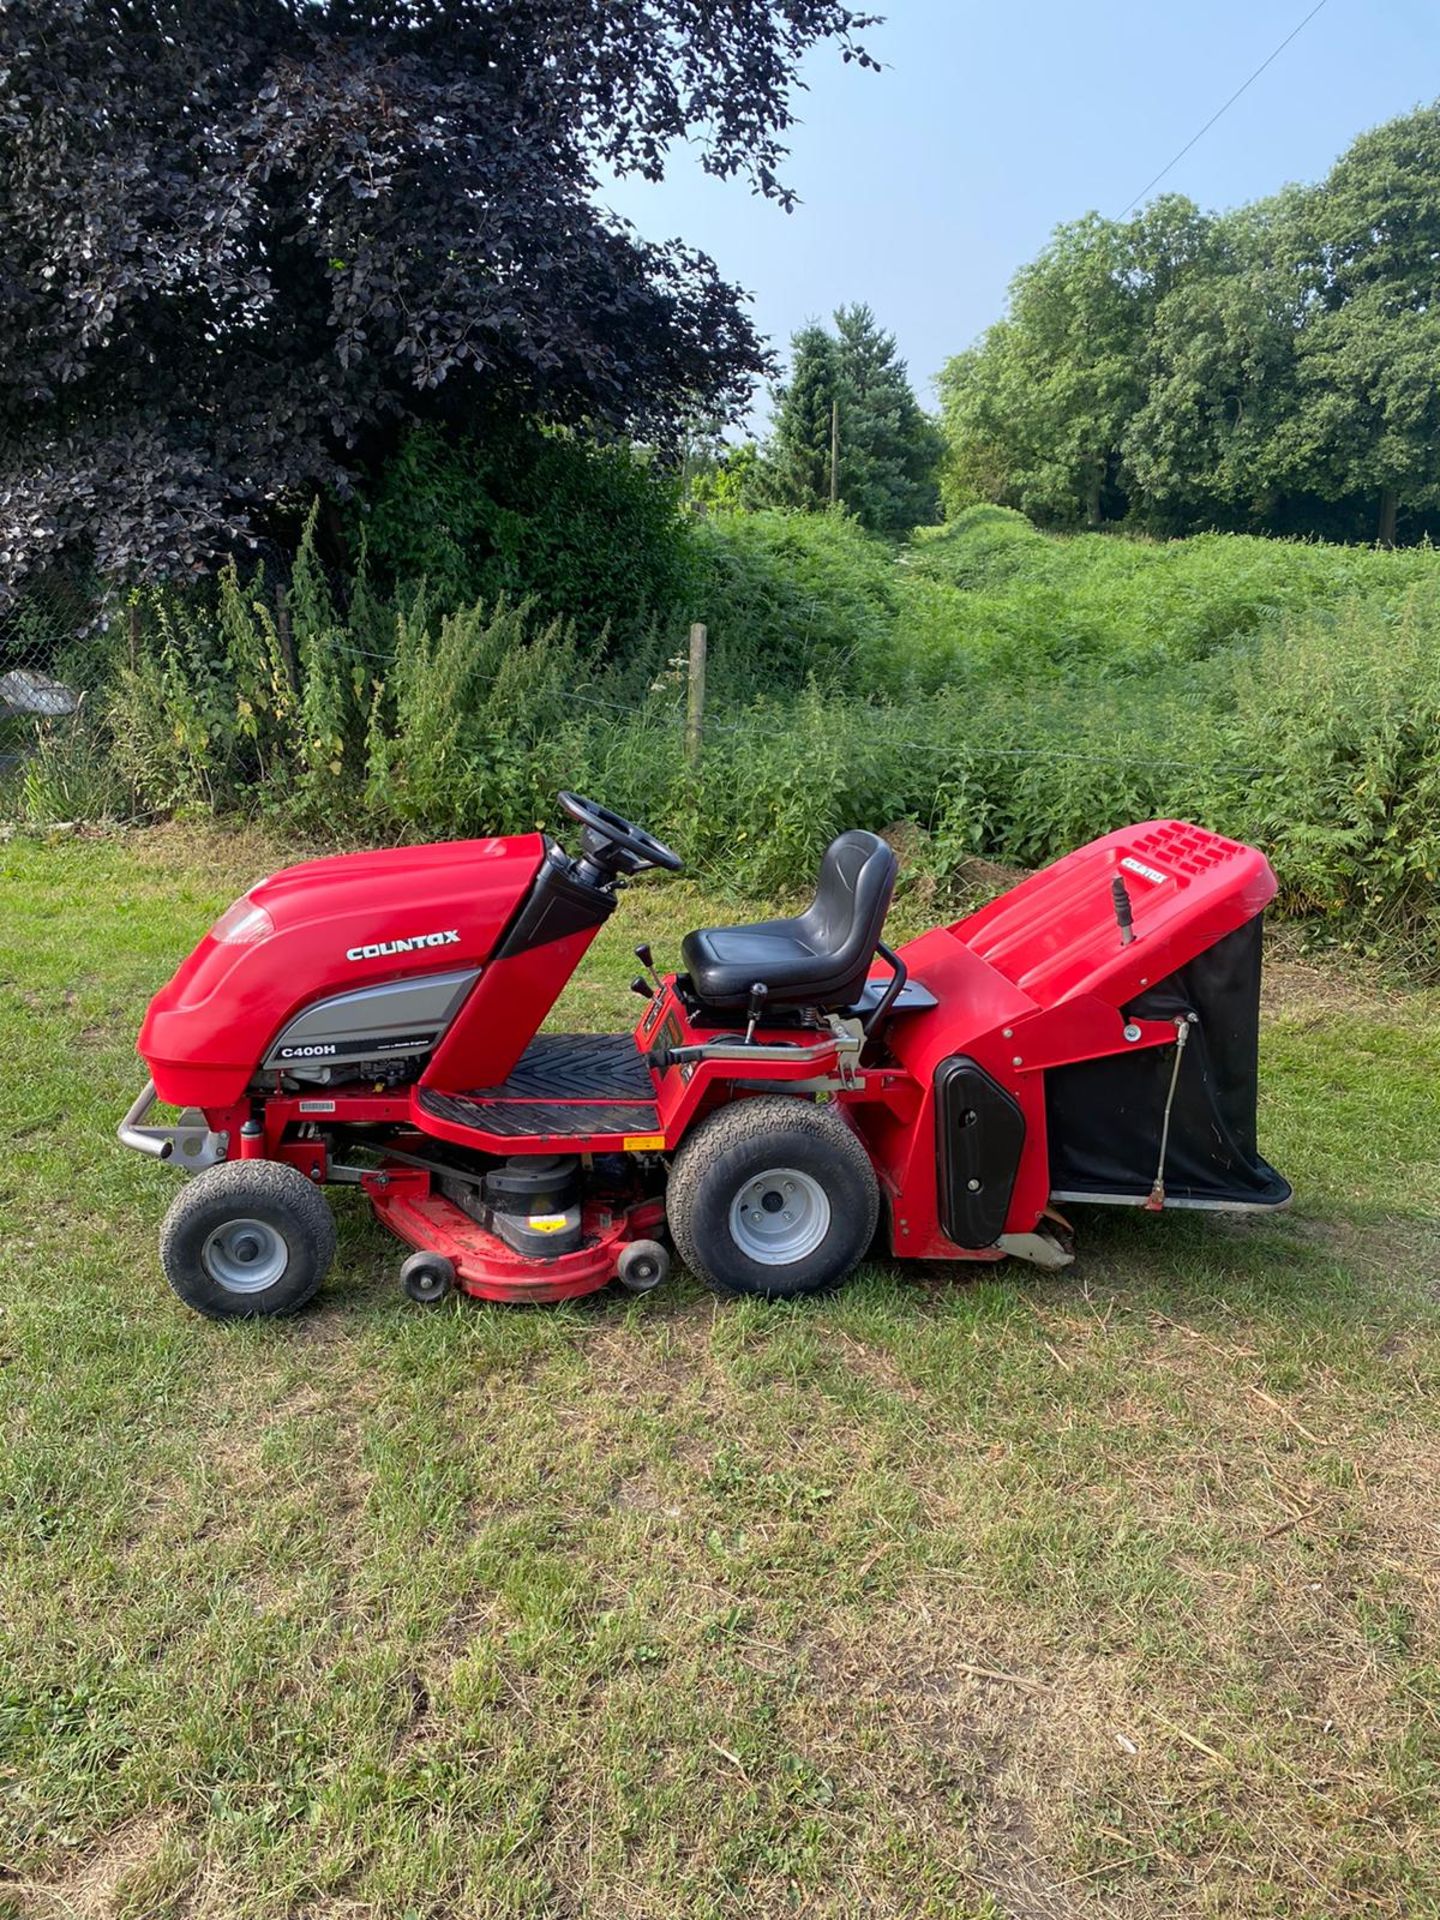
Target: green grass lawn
[[1113, 1593]]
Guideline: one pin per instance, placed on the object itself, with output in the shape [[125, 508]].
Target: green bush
[[1026, 600], [794, 596], [592, 534]]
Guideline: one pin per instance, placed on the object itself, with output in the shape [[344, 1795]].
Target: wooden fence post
[[287, 643], [695, 702]]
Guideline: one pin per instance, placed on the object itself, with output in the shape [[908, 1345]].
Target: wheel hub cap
[[245, 1256], [779, 1216]]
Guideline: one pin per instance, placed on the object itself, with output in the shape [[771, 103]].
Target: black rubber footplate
[[563, 1083]]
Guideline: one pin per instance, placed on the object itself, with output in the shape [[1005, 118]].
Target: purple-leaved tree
[[241, 245]]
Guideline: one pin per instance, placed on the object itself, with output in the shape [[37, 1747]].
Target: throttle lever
[[759, 993]]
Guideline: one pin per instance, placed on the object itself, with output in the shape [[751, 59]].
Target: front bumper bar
[[190, 1143]]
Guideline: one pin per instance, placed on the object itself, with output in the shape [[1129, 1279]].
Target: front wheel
[[246, 1238], [428, 1278], [774, 1197]]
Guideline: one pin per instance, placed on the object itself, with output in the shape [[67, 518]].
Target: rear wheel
[[773, 1197], [246, 1238]]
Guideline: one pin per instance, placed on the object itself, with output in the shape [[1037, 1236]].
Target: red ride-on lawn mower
[[373, 1019]]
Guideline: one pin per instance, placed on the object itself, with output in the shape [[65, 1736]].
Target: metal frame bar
[[189, 1144], [129, 1131]]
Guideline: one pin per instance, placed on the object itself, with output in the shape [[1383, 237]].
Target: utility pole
[[835, 452]]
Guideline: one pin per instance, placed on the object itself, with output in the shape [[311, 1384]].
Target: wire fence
[[45, 676], [61, 643], [98, 723]]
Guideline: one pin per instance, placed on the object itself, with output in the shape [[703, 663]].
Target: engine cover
[[403, 1017], [326, 930]]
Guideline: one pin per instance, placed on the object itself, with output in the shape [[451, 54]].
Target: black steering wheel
[[617, 845]]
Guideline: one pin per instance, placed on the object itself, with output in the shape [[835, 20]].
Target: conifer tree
[[888, 449], [795, 470]]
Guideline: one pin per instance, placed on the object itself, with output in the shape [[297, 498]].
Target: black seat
[[821, 957]]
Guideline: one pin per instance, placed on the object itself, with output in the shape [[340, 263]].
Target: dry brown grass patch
[[92, 1887]]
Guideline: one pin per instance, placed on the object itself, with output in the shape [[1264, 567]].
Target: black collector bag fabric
[[1105, 1116]]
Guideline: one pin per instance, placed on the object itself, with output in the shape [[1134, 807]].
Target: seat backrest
[[852, 897]]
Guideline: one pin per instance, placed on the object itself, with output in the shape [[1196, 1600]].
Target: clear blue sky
[[924, 186]]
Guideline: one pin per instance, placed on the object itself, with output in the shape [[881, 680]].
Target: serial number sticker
[[317, 1106], [644, 1142], [1152, 874]]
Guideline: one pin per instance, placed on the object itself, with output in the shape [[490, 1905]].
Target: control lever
[[759, 993], [643, 987], [1124, 912], [646, 958]]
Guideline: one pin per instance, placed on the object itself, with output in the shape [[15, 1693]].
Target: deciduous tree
[[1219, 382], [240, 244], [1272, 368], [1036, 415], [1367, 243]]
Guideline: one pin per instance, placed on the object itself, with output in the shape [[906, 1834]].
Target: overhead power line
[[1269, 60]]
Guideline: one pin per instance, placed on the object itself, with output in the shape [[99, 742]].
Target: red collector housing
[[374, 1019]]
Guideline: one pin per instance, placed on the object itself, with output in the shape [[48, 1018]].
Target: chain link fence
[[42, 681], [58, 650], [64, 639]]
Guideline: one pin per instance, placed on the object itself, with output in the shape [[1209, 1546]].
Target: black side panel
[[558, 904], [979, 1135], [1105, 1116]]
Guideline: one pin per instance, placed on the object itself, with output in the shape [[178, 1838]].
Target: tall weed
[[1007, 693], [1341, 707]]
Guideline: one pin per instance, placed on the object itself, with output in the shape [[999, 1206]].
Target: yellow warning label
[[546, 1223], [644, 1142]]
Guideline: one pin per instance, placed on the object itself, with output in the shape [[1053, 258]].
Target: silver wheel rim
[[245, 1256], [779, 1216]]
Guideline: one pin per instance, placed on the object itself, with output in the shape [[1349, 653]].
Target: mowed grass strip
[[965, 1594]]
